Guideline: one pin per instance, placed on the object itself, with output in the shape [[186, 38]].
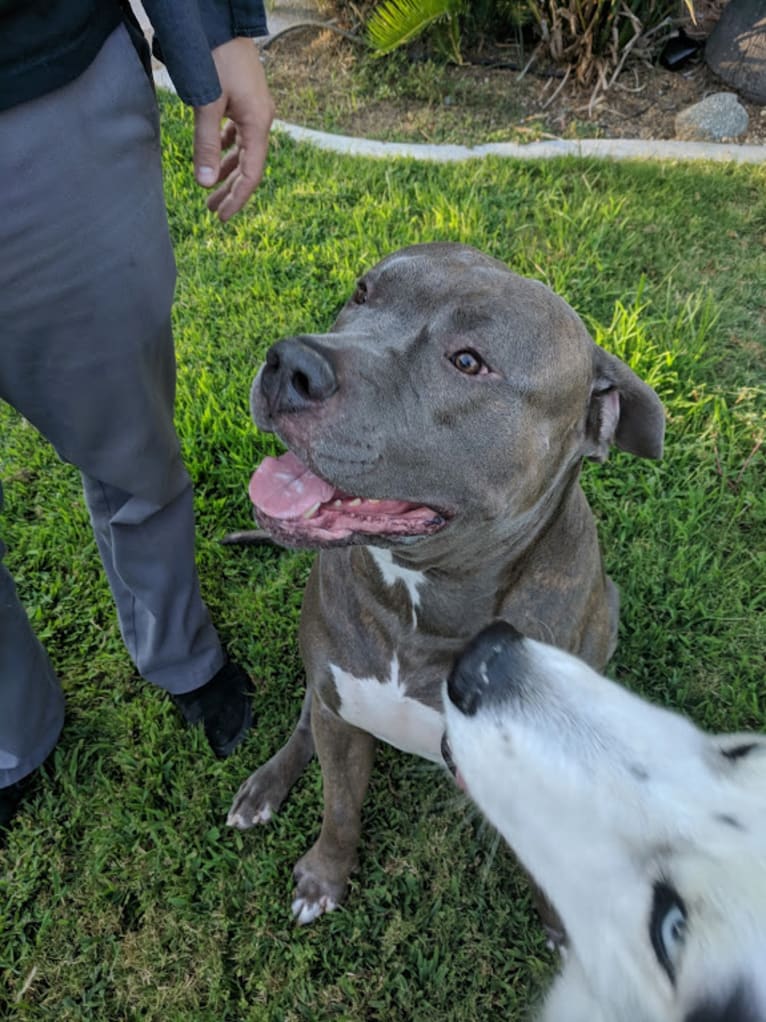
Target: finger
[[207, 143], [235, 198], [215, 200], [253, 147], [231, 198], [229, 171], [229, 163], [252, 159], [228, 135]]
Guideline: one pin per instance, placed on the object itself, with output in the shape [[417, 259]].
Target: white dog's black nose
[[297, 375], [488, 669]]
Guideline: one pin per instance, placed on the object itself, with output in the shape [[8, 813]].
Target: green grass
[[123, 895]]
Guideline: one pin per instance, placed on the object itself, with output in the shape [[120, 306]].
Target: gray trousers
[[86, 355]]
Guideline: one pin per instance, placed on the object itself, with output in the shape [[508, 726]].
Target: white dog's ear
[[623, 410]]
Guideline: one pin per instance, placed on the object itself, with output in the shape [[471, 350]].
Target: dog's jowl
[[435, 438]]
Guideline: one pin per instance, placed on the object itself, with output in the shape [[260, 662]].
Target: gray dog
[[435, 441]]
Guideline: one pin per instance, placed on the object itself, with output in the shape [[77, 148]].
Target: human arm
[[216, 69], [246, 102]]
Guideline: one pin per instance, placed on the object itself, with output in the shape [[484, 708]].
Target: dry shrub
[[594, 38]]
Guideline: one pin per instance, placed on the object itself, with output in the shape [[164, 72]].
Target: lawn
[[124, 895]]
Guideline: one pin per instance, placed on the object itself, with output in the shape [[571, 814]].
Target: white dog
[[648, 835]]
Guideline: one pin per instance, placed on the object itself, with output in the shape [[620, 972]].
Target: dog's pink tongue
[[284, 488]]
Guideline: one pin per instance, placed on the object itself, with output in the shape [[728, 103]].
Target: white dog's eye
[[667, 927], [673, 930]]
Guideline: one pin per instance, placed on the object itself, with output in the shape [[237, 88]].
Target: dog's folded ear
[[623, 410]]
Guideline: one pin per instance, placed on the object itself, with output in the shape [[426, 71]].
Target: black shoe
[[224, 705], [10, 800]]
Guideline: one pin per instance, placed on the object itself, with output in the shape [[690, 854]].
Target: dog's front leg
[[264, 791], [345, 755]]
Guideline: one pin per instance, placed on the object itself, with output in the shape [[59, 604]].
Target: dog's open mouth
[[299, 508], [449, 762]]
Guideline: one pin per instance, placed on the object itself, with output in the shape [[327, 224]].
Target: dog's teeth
[[311, 511], [355, 502], [337, 503], [373, 500]]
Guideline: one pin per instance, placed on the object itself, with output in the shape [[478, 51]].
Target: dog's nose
[[487, 669], [296, 376]]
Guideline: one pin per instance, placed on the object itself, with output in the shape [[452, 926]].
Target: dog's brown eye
[[360, 295], [467, 362]]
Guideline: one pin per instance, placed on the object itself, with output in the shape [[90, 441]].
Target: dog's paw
[[263, 792], [242, 818], [306, 910], [257, 799], [320, 886]]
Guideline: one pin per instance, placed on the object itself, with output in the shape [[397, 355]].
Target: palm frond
[[396, 22]]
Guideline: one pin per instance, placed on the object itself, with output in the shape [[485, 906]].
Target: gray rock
[[717, 118]]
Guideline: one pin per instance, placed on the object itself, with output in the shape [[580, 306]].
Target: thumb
[[207, 144]]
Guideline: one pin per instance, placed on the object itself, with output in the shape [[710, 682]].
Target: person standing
[[87, 276]]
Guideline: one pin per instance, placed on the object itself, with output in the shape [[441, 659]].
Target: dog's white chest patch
[[383, 708], [391, 573]]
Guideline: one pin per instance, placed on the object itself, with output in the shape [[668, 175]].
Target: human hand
[[246, 101]]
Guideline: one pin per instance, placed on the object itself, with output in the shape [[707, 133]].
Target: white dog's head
[[647, 835]]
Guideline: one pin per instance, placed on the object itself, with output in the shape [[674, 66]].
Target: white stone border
[[597, 148], [602, 148]]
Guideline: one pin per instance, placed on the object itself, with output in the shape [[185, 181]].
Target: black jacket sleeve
[[186, 32]]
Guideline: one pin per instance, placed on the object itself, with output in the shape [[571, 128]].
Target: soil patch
[[320, 79]]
